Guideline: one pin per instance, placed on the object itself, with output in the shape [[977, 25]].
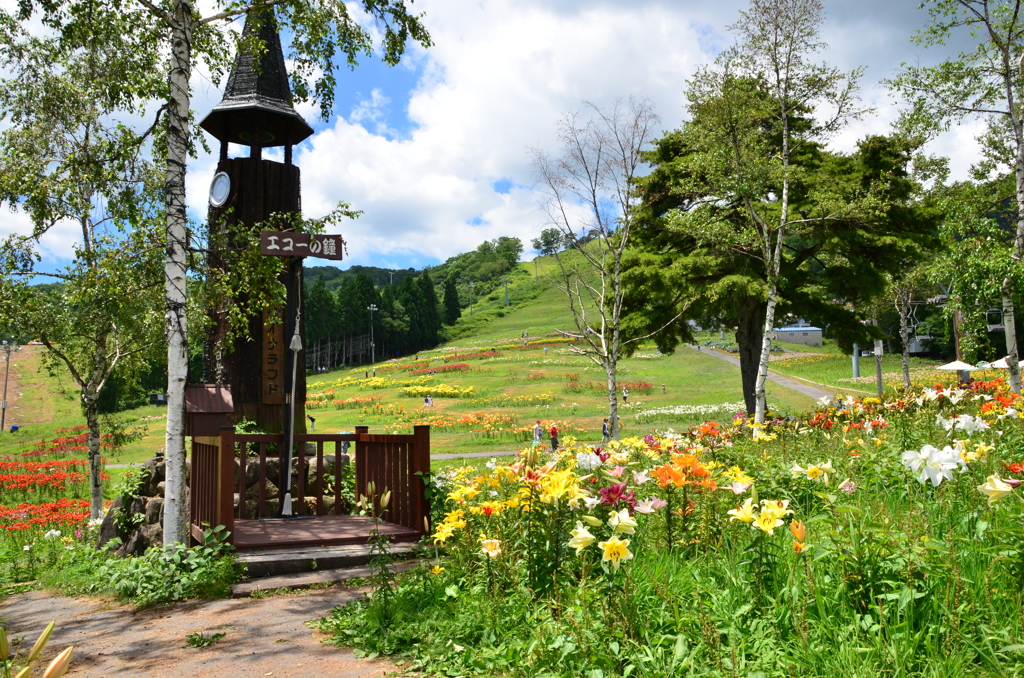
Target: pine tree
[[452, 311], [430, 310]]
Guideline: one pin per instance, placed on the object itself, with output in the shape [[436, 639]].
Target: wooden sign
[[273, 357], [288, 244]]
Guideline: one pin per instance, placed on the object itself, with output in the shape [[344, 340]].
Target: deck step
[[304, 580], [275, 562]]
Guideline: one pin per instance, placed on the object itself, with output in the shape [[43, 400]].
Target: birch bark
[[175, 505]]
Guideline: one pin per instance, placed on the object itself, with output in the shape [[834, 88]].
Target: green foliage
[[891, 577], [200, 639], [485, 267], [161, 575]]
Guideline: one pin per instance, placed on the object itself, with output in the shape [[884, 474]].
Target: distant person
[[663, 388], [554, 437], [545, 349], [374, 371], [366, 375], [537, 433], [606, 433], [312, 422], [625, 394]]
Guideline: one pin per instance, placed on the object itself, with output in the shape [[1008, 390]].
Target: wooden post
[[226, 478], [361, 460], [420, 463]]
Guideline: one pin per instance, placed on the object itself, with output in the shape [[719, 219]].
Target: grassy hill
[[490, 416]]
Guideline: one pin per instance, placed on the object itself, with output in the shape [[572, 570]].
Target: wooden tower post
[[256, 112]]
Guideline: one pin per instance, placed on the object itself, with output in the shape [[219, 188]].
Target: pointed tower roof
[[257, 97]]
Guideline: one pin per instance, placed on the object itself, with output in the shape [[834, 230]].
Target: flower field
[[44, 505], [870, 537]]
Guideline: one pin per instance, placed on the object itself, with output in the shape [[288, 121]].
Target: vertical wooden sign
[[273, 357]]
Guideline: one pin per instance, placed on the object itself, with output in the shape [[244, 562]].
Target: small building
[[806, 335]]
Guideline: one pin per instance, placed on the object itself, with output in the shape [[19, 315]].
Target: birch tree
[[64, 160], [590, 200], [323, 32], [799, 102], [985, 84]]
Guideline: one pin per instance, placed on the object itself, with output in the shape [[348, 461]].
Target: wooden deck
[[313, 531]]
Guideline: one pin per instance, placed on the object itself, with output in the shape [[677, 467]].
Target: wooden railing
[[392, 462], [210, 486], [221, 467]]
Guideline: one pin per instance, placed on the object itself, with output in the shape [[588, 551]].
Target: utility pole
[[536, 276], [7, 348], [392, 277], [470, 298], [505, 283], [856, 360], [373, 354]]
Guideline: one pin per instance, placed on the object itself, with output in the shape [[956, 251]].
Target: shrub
[[161, 575]]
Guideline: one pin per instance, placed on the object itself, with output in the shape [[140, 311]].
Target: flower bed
[[443, 369], [438, 391], [829, 545], [342, 403], [69, 441], [505, 400], [671, 413]]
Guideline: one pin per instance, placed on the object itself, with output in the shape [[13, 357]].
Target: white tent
[[1001, 364], [957, 366]]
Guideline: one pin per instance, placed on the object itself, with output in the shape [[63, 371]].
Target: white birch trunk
[[611, 368], [766, 345], [903, 306], [175, 507], [92, 418]]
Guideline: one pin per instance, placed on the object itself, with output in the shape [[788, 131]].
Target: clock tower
[[257, 112]]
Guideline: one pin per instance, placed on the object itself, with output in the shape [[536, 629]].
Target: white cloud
[[500, 76]]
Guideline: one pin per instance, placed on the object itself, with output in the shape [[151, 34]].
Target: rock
[[154, 509], [154, 470], [138, 506], [151, 535], [134, 545], [107, 530], [252, 472], [161, 487], [328, 471]]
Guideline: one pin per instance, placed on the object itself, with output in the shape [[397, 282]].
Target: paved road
[[810, 391]]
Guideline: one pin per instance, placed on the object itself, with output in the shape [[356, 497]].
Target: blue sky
[[436, 151]]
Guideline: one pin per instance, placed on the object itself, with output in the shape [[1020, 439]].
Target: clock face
[[220, 189]]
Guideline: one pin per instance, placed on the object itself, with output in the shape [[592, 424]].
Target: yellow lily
[[767, 522], [776, 509], [622, 523], [492, 547], [744, 513], [581, 538], [996, 488], [615, 551]]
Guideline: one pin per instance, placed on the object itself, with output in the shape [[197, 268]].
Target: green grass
[[50, 402]]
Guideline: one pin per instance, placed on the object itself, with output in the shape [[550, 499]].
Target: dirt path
[[266, 637]]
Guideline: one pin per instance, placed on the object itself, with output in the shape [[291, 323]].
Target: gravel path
[[265, 637]]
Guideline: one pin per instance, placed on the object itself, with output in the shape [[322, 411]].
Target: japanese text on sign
[[273, 357], [288, 244]]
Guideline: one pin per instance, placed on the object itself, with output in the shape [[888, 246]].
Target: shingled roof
[[258, 98]]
